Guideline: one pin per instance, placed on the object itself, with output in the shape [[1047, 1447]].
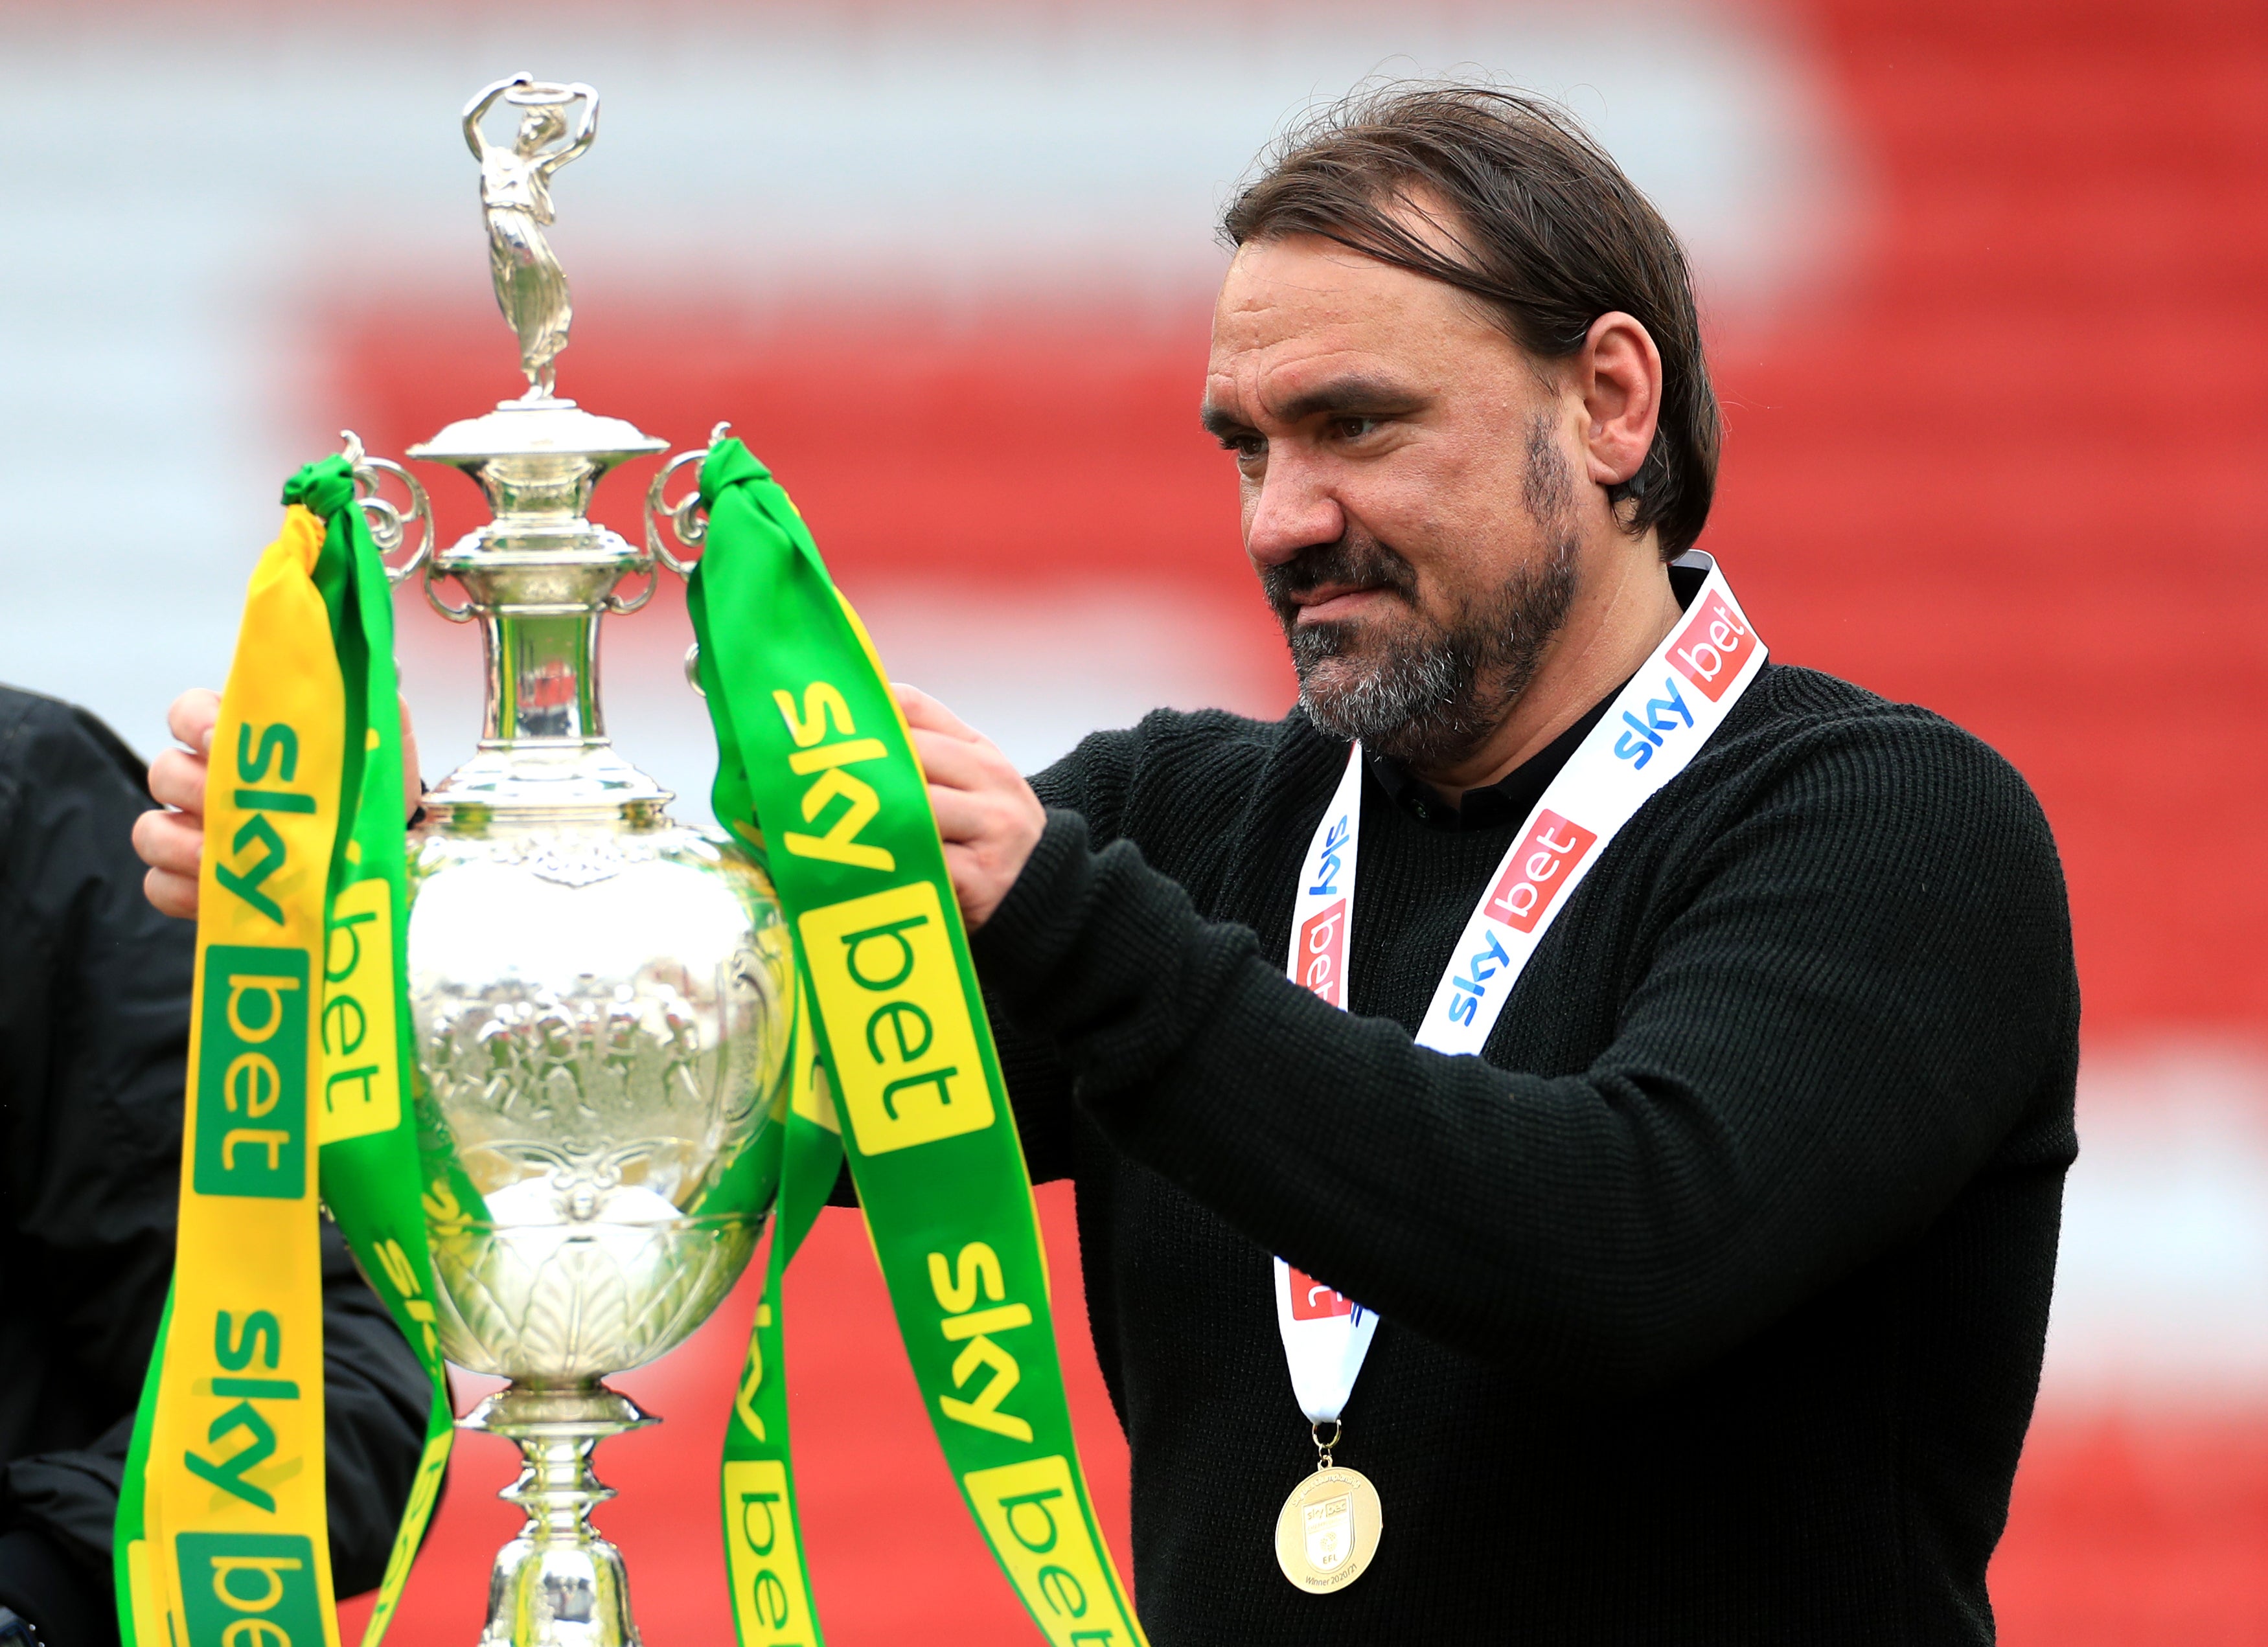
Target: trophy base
[[559, 1584]]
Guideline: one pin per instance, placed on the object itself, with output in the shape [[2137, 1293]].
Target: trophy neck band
[[543, 677]]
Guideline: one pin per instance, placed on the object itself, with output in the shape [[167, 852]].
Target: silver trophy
[[602, 996]]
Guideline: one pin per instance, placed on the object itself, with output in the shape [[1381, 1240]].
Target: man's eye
[[1353, 427], [1247, 448]]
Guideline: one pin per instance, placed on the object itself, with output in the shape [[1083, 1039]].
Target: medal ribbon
[[816, 772], [299, 1039], [1649, 734]]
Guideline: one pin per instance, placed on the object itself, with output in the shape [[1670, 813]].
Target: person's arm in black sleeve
[[375, 1396], [95, 1006], [1843, 1017]]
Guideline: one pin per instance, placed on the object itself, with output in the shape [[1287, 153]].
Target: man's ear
[[1619, 374]]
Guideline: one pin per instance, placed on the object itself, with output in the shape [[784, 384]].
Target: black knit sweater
[[1712, 1301]]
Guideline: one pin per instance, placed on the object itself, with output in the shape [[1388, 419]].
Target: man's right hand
[[172, 841]]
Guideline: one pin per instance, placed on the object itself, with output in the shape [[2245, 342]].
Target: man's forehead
[[1272, 382], [1278, 289], [1297, 313]]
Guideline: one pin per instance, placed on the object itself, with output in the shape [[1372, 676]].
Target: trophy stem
[[544, 741], [559, 1584], [543, 675]]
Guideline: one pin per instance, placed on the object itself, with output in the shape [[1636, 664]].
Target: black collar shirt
[[1506, 801]]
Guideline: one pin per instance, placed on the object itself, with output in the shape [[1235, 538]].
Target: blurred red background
[[2007, 465]]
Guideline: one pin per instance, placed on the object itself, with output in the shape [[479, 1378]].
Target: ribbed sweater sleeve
[[1841, 1002]]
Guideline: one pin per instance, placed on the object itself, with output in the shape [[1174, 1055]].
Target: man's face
[[1409, 496]]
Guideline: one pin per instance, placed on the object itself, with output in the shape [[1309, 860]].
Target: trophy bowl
[[601, 1023]]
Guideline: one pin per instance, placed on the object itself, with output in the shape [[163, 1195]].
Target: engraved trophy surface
[[602, 997]]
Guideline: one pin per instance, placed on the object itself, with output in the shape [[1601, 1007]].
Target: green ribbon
[[765, 1564], [372, 1181], [816, 772]]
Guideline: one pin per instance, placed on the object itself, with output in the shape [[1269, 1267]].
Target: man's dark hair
[[1548, 233]]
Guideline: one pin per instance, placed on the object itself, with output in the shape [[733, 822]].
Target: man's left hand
[[988, 816]]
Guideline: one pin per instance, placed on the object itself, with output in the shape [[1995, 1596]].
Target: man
[[1712, 1289], [94, 1020]]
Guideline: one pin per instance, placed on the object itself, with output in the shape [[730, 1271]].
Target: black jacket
[[94, 1014], [1712, 1299]]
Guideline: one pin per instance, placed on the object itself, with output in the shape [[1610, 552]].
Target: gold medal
[[1329, 1529]]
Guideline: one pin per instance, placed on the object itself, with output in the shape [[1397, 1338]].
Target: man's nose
[[1294, 511]]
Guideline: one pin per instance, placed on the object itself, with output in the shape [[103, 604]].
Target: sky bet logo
[[252, 1074], [1537, 869], [1326, 867], [904, 1048], [1712, 648], [1708, 652], [249, 1589], [1322, 953], [1031, 1512], [1323, 935], [1662, 715]]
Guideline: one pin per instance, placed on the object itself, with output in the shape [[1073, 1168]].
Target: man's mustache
[[1353, 558]]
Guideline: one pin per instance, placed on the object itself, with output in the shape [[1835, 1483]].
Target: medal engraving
[[1330, 1532], [1329, 1529]]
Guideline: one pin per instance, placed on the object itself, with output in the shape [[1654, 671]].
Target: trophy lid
[[538, 428]]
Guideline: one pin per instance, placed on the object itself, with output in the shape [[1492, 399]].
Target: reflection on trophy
[[602, 997]]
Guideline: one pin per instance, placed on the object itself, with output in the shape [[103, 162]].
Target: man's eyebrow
[[1222, 423], [1350, 396]]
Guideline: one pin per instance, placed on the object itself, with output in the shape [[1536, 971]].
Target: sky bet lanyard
[[1667, 712]]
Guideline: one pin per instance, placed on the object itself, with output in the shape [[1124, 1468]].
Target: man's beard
[[1439, 688]]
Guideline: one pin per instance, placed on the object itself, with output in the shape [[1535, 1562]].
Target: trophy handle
[[688, 522], [645, 564], [389, 526], [455, 614]]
